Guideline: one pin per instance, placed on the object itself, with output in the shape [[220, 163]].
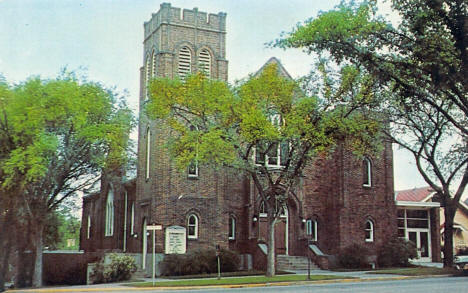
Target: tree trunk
[[271, 247], [37, 274], [449, 213], [5, 248]]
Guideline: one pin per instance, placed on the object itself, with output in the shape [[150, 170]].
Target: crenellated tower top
[[186, 18]]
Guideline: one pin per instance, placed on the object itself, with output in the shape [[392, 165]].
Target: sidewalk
[[358, 276]]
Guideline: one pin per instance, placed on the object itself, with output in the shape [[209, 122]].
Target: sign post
[[154, 227], [218, 250]]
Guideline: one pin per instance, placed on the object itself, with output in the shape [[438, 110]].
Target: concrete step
[[292, 263]]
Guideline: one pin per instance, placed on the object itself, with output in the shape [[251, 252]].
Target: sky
[[104, 40]]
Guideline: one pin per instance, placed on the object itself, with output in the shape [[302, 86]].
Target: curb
[[129, 288]]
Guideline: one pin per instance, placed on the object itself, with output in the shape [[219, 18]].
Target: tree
[[57, 135], [266, 128], [421, 65]]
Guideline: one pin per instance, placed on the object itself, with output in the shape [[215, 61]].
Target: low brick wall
[[67, 267]]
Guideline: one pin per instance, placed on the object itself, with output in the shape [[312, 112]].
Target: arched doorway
[[281, 230]]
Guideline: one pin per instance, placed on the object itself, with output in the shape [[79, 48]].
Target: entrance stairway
[[293, 263]]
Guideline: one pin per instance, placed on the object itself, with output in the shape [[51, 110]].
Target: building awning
[[417, 204]]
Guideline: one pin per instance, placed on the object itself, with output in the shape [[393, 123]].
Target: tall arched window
[[132, 219], [88, 228], [204, 62], [232, 228], [185, 62], [148, 153], [109, 229], [192, 226], [148, 71], [153, 69], [369, 231], [366, 172]]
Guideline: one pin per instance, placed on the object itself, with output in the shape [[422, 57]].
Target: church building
[[342, 199]]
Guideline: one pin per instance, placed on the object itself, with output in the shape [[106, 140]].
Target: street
[[439, 285]]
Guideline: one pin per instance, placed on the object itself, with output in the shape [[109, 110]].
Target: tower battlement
[[185, 17]]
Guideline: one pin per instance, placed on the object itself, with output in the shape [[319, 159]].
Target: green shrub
[[354, 256], [396, 253], [120, 268], [202, 261]]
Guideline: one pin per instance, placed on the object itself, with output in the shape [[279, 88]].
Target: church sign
[[175, 240]]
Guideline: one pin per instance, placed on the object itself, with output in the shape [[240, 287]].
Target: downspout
[[125, 224]]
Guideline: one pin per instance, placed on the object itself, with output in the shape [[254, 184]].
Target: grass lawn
[[238, 281], [226, 274], [416, 271]]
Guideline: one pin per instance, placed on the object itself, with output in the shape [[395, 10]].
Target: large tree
[[57, 135], [421, 65], [266, 127]]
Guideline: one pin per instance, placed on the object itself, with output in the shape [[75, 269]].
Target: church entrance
[[281, 231]]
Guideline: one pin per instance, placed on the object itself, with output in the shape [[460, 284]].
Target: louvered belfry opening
[[185, 60], [204, 62]]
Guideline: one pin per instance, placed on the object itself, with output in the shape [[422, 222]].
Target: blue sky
[[104, 38]]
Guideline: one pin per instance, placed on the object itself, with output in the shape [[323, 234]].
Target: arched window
[[204, 62], [153, 70], [109, 229], [232, 228], [193, 166], [311, 229], [369, 231], [192, 226], [366, 172], [132, 219], [148, 71], [185, 62], [88, 228], [148, 153]]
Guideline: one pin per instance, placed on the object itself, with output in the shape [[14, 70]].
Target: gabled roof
[[282, 71], [421, 194]]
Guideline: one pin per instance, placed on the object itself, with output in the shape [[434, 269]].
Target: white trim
[[184, 64], [195, 234], [144, 244], [148, 153], [371, 231], [311, 226], [369, 172], [193, 175], [417, 204], [232, 230], [109, 223], [132, 219], [88, 228], [204, 62]]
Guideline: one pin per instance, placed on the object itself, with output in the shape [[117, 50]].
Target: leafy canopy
[[221, 125]]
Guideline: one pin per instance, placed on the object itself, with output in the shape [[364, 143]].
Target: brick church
[[341, 200]]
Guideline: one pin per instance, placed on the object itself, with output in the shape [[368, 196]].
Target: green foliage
[[419, 63], [222, 126], [120, 268], [201, 261], [396, 253], [56, 136], [62, 231], [354, 256]]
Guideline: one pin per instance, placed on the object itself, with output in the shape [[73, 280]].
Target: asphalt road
[[437, 285]]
